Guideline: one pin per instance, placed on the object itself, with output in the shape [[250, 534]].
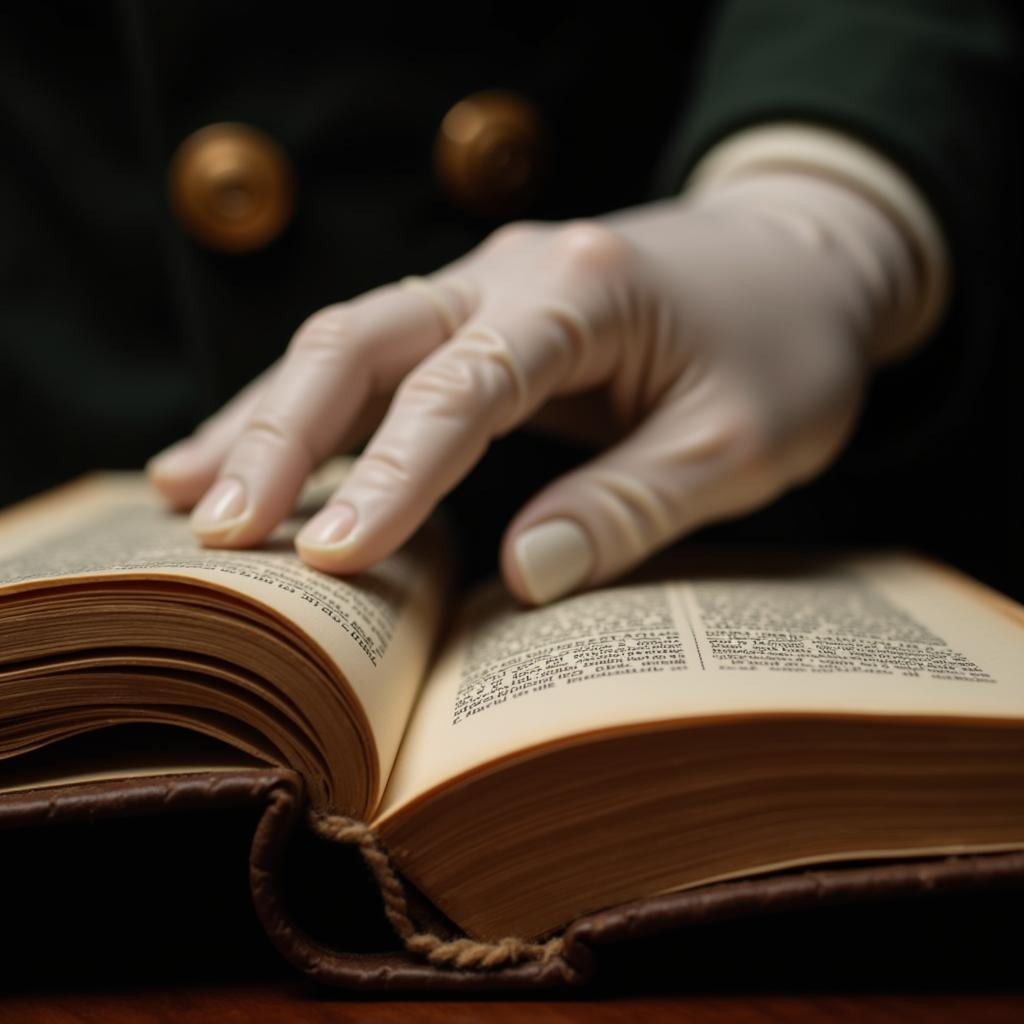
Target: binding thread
[[464, 953]]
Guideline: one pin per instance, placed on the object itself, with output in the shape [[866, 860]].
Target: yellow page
[[379, 626], [886, 634], [136, 753]]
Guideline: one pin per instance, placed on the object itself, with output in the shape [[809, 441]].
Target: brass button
[[231, 187], [490, 151]]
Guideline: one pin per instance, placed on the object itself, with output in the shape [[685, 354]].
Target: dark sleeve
[[931, 84], [924, 81]]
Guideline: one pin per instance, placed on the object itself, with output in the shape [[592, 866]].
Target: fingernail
[[331, 525], [173, 461], [223, 504], [553, 559]]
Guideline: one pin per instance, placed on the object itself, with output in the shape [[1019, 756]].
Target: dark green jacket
[[117, 333]]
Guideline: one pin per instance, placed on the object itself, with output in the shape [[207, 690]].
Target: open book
[[702, 720]]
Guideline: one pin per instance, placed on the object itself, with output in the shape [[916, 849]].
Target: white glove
[[730, 337]]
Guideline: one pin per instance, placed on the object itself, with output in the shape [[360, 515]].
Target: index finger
[[336, 362], [490, 377]]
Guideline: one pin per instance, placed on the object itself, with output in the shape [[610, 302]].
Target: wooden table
[[283, 1002]]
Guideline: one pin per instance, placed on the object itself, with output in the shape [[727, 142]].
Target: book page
[[379, 627], [885, 635], [133, 752]]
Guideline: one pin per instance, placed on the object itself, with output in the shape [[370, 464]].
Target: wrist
[[866, 186], [844, 250]]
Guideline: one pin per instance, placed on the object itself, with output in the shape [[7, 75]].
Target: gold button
[[231, 187], [490, 151]]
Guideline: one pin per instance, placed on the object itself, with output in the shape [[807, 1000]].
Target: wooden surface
[[284, 1004]]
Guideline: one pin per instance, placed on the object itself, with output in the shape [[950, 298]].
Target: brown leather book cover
[[589, 947]]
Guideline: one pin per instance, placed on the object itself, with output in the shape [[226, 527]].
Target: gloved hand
[[730, 335]]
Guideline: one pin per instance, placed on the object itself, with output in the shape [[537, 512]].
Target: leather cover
[[587, 942]]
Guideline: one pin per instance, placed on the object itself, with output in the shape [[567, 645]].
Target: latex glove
[[730, 337]]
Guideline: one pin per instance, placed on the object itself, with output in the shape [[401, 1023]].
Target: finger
[[490, 377], [687, 465], [184, 471], [339, 360]]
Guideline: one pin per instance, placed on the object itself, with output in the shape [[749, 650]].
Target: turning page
[[378, 627]]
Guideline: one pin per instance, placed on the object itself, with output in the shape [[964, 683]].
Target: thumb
[[667, 478]]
